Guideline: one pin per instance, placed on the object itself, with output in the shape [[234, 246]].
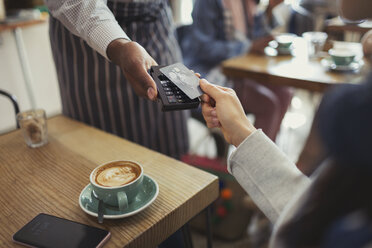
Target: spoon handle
[[100, 211]]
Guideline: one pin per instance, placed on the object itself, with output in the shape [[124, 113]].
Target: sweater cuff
[[248, 142]]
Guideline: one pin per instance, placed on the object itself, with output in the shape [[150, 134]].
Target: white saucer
[[145, 197], [353, 66]]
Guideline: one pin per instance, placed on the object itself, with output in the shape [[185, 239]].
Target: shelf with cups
[[5, 26]]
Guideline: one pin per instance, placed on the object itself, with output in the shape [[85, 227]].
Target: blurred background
[[27, 71]]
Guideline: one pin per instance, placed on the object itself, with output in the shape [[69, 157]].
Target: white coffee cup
[[342, 56]]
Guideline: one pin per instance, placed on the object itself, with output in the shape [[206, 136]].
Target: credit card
[[184, 78]]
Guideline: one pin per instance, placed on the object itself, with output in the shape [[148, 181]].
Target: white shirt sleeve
[[91, 20], [267, 175]]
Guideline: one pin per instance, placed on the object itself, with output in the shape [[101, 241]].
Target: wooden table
[[336, 25], [49, 180], [297, 71]]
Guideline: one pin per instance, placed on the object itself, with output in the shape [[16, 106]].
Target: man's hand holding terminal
[[134, 61]]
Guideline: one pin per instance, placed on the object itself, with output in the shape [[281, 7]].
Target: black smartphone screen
[[50, 231]]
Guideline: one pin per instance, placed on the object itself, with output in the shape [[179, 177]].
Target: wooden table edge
[[275, 79]]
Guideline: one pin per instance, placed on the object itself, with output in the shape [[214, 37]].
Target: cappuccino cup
[[117, 183], [342, 56]]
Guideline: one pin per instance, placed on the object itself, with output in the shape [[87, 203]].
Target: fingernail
[[151, 93]]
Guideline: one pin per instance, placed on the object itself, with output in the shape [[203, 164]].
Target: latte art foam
[[116, 175]]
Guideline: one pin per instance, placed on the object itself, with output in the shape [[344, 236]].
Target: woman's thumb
[[209, 88]]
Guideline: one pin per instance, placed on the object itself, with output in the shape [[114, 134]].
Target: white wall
[[44, 78]]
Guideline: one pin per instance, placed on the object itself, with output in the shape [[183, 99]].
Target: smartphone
[[50, 231], [171, 97]]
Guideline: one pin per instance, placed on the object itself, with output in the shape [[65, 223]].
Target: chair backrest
[[181, 32], [347, 32], [14, 101]]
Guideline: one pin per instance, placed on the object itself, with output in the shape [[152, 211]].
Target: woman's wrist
[[242, 133]]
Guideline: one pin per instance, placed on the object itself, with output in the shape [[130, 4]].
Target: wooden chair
[[14, 101]]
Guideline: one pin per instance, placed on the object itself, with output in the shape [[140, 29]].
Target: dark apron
[[94, 91]]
